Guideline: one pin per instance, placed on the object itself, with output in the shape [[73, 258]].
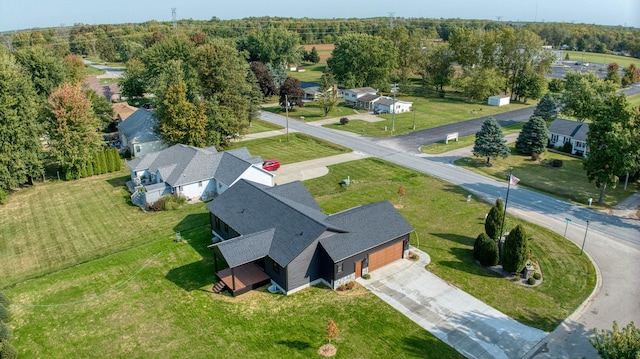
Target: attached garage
[[385, 256]]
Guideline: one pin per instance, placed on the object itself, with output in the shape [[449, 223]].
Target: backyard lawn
[[311, 111], [594, 57], [466, 141], [258, 126], [568, 182]]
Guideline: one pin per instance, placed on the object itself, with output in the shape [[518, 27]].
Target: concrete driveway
[[467, 324]]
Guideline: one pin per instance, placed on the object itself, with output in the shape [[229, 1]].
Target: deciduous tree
[[630, 75], [583, 94], [290, 91], [613, 143], [273, 45], [133, 83], [72, 128], [619, 343], [179, 120], [265, 81], [613, 73], [436, 66], [363, 60], [47, 70], [490, 142], [515, 250], [480, 83]]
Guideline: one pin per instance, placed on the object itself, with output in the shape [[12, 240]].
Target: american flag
[[513, 180]]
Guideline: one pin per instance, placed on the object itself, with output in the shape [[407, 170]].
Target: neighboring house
[[367, 101], [280, 235], [563, 131], [387, 105], [138, 133], [311, 90], [196, 173], [351, 96], [122, 111]]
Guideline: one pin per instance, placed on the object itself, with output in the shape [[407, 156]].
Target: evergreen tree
[[90, 169], [102, 163], [109, 160], [180, 121], [533, 137], [117, 162], [20, 150], [515, 250], [313, 56], [493, 223], [485, 250], [547, 108], [490, 142]]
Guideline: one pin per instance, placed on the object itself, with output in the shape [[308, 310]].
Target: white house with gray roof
[[138, 133], [563, 131], [196, 173], [280, 235], [351, 96]]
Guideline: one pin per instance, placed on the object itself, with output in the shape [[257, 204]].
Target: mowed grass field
[[152, 298], [594, 57], [568, 182]]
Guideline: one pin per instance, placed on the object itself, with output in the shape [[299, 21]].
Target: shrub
[[366, 276], [556, 163], [515, 250], [8, 351], [531, 281], [156, 206], [567, 147], [5, 315], [485, 250], [537, 276], [493, 222], [344, 121], [173, 201], [4, 300], [5, 333]]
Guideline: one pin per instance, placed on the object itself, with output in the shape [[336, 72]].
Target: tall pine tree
[[515, 250], [490, 142], [547, 108], [20, 150], [533, 138]]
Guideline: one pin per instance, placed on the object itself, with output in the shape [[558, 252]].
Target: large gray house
[[280, 235], [563, 131], [138, 133]]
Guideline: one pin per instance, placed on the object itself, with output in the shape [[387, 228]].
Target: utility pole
[[391, 16], [414, 118], [173, 19], [394, 89], [286, 106], [585, 238]]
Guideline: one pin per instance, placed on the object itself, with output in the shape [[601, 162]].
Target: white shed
[[498, 100]]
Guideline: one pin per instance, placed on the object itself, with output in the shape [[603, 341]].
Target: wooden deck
[[247, 276]]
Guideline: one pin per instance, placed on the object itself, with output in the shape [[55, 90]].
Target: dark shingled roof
[[245, 249], [297, 221], [367, 226], [576, 130]]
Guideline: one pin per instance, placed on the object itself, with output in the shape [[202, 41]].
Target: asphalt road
[[613, 243]]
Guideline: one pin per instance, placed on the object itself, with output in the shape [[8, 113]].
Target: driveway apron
[[470, 326]]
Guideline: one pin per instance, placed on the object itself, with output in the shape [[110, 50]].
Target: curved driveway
[[612, 242]]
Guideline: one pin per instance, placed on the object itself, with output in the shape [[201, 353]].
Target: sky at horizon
[[28, 14]]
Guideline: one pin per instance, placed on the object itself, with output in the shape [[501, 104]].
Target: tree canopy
[[619, 343], [490, 142], [534, 137], [291, 94], [547, 108], [583, 93], [273, 45], [363, 60]]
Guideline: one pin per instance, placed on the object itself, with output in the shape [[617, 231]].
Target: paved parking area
[[470, 326]]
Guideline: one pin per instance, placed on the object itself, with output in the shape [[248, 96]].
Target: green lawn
[[430, 112], [311, 111], [569, 277], [466, 141], [92, 71], [568, 182], [634, 101], [258, 126], [312, 72], [300, 147], [597, 58]]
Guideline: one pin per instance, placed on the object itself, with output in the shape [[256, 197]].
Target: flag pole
[[506, 201]]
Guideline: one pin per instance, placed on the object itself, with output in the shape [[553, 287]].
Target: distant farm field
[[324, 50]]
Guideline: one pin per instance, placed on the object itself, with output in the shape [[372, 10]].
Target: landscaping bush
[[567, 147], [515, 250], [4, 196], [485, 250], [173, 201], [493, 222], [537, 276], [5, 315], [531, 281], [8, 351], [4, 300], [366, 276], [344, 121], [156, 206], [5, 333], [556, 163]]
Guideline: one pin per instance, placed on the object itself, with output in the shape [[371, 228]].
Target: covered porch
[[243, 278]]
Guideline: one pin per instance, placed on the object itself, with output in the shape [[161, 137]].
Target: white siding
[[194, 190], [141, 149], [257, 175]]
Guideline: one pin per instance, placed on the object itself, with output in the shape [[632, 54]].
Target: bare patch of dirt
[[398, 206], [327, 350]]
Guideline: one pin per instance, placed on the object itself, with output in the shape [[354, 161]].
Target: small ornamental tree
[[533, 137], [332, 330], [493, 222], [5, 333], [515, 250], [490, 142], [547, 108], [402, 191], [109, 160], [485, 250], [619, 344], [5, 315]]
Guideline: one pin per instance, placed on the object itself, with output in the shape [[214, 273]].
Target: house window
[[138, 148], [339, 267], [226, 228], [217, 223], [554, 138], [200, 184], [276, 267]]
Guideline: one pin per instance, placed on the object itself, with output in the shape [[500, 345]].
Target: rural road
[[612, 242]]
